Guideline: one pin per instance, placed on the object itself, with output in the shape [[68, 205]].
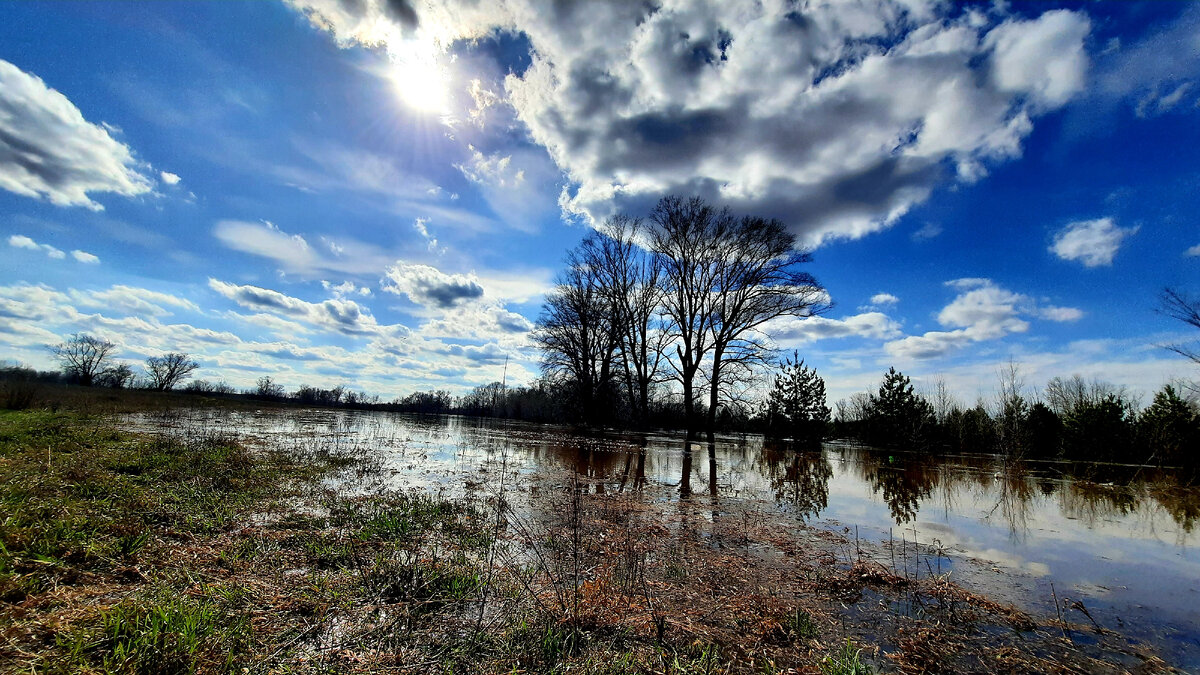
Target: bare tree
[[84, 357], [628, 278], [170, 369], [758, 279], [577, 335], [1177, 305], [117, 376], [942, 400], [266, 387], [686, 237]]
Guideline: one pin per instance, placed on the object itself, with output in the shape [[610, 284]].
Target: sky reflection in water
[[1121, 539]]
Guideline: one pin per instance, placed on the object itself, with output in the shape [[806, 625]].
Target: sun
[[420, 81]]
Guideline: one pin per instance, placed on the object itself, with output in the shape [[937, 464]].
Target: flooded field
[[1111, 546]]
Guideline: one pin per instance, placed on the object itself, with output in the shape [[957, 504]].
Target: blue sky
[[378, 194]]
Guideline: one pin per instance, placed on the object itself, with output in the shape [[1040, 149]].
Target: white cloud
[[981, 311], [132, 300], [343, 316], [49, 151], [1193, 251], [295, 254], [985, 313], [927, 231], [1043, 58], [793, 331], [394, 358], [430, 287], [1091, 242], [492, 170], [21, 241], [346, 288], [1061, 314], [169, 178], [517, 285], [636, 100], [884, 299], [1159, 73], [514, 184], [85, 257]]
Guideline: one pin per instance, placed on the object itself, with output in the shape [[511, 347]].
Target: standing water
[[1118, 543]]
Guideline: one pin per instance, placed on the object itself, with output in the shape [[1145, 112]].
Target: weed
[[846, 661], [801, 625], [160, 633]]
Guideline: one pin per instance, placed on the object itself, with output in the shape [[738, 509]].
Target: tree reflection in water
[[905, 482], [902, 483], [798, 478]]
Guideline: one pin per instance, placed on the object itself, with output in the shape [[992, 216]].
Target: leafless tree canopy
[[695, 278], [1177, 305], [725, 278], [628, 278], [84, 357], [758, 279], [168, 370], [686, 237], [577, 333]]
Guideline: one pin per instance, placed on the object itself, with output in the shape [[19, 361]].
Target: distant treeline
[[1071, 418]]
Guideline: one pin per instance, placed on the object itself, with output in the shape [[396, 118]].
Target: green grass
[[800, 625], [846, 661], [122, 553], [159, 632]]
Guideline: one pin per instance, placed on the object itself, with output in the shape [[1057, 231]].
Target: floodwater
[[1122, 540]]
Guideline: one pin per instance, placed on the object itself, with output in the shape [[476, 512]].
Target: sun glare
[[420, 80]]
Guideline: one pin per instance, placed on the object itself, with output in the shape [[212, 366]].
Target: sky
[[379, 193]]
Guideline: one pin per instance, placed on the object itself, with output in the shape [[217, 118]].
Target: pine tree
[[1170, 429], [796, 405], [898, 417]]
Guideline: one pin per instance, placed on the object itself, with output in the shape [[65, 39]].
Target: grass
[[83, 506], [800, 625], [845, 661], [159, 632], [191, 553]]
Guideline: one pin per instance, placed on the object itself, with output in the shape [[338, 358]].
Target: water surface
[[1122, 540]]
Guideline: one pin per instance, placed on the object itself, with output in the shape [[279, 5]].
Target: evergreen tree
[[1169, 430], [899, 417], [1099, 430], [796, 405]]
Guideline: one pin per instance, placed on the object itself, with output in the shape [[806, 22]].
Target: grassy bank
[[190, 552]]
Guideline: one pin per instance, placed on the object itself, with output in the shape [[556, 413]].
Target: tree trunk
[[714, 393], [689, 403]]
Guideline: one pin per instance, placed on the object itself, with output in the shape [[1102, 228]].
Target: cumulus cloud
[[49, 151], [343, 316], [169, 178], [430, 287], [981, 311], [1091, 242], [884, 299], [21, 241], [1061, 314], [346, 288], [836, 117], [1193, 252], [85, 257], [1043, 58], [791, 331]]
